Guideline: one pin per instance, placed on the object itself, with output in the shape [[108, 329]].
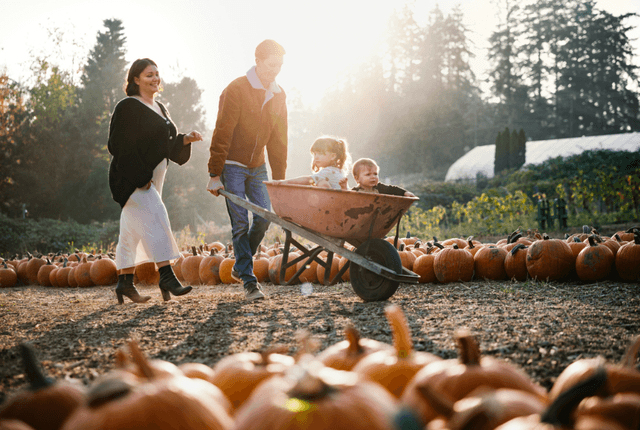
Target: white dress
[[145, 230], [331, 174]]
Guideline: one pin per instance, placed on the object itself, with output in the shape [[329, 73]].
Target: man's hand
[[214, 185]]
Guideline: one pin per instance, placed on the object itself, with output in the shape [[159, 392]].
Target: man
[[252, 115]]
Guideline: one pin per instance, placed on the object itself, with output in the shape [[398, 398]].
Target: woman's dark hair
[[138, 66]]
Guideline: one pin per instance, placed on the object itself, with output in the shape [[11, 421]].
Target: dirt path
[[541, 327]]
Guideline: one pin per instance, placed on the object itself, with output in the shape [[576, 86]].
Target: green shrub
[[48, 235]]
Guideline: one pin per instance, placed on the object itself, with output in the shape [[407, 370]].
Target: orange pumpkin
[[32, 269], [82, 273], [45, 404], [191, 267], [489, 263], [515, 263], [237, 375], [8, 276], [103, 271], [146, 274], [261, 267], [62, 274], [455, 379], [628, 260], [453, 264], [393, 369], [423, 266], [594, 262], [346, 354], [317, 397], [549, 259], [274, 269], [225, 268], [209, 269]]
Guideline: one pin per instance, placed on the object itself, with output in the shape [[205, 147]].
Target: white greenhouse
[[480, 160]]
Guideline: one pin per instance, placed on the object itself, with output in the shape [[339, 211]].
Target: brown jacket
[[244, 128]]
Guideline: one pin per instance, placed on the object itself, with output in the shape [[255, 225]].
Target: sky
[[213, 41]]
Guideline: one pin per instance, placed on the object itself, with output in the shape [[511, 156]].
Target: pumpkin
[[191, 267], [594, 262], [314, 397], [8, 276], [146, 274], [628, 235], [628, 260], [237, 375], [46, 403], [14, 425], [177, 267], [43, 273], [197, 370], [549, 259], [32, 269], [209, 269], [586, 232], [225, 268], [621, 377], [103, 271], [62, 274], [261, 267], [623, 408], [393, 369], [22, 270], [346, 354], [407, 258], [473, 246], [71, 277], [559, 415], [455, 379], [120, 400], [346, 274], [53, 275], [82, 273], [423, 266], [310, 273], [274, 269], [488, 263], [483, 408], [335, 268], [515, 263], [453, 264]]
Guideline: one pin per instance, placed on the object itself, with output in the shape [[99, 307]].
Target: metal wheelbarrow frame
[[375, 267]]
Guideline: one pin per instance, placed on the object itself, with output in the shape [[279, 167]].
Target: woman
[[142, 140]]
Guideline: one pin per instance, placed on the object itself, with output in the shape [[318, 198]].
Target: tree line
[[558, 69]]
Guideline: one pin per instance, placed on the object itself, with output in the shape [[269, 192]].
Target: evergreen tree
[[102, 84], [501, 161], [514, 150], [522, 149]]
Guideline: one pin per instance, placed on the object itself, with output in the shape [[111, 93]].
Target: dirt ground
[[541, 327]]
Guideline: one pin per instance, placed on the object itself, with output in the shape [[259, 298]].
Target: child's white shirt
[[332, 174]]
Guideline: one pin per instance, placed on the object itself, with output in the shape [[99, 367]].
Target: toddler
[[365, 172], [331, 160]]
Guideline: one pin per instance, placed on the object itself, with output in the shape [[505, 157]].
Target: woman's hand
[[194, 136]]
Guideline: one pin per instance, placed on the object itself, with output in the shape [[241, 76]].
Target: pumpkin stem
[[121, 359], [353, 336], [636, 238], [438, 245], [140, 360], [194, 251], [517, 247], [592, 241], [265, 354], [309, 386], [630, 356], [468, 349], [585, 229], [36, 377], [401, 333], [632, 229], [560, 411]]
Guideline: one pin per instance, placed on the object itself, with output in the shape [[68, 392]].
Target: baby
[[365, 172]]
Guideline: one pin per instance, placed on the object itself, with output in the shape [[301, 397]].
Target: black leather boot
[[125, 287], [169, 284]]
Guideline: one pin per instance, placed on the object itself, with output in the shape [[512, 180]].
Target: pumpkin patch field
[[524, 332]]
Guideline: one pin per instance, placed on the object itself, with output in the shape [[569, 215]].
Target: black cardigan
[[139, 139]]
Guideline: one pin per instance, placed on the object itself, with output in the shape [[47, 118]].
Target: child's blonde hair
[[333, 145], [360, 163]]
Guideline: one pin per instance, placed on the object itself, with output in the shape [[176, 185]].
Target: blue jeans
[[246, 183]]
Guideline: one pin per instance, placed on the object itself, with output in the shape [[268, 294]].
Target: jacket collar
[[257, 84]]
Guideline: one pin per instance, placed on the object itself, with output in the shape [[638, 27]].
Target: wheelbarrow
[[329, 218]]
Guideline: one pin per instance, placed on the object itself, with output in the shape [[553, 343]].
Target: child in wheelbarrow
[[331, 160], [365, 172]]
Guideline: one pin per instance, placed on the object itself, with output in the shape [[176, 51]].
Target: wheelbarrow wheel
[[370, 286]]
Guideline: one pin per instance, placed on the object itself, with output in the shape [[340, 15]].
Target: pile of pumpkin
[[354, 384], [586, 256]]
